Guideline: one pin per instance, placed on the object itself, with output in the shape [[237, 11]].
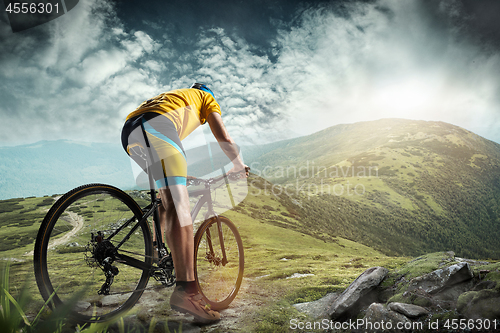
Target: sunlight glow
[[408, 98]]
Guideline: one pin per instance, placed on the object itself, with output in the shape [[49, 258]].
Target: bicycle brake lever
[[237, 175]]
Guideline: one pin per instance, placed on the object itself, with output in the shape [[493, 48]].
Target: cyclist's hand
[[239, 171]]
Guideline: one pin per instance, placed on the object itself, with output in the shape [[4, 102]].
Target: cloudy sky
[[279, 68]]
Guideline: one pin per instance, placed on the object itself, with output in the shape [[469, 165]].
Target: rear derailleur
[[102, 256]]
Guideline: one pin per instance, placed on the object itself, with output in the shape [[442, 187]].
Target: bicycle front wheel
[[219, 261], [78, 257]]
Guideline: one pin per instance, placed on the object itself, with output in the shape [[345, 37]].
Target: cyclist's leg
[[179, 238], [162, 135], [163, 222]]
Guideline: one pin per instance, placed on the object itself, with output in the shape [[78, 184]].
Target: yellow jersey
[[186, 108]]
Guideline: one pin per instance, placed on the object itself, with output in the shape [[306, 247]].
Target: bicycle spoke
[[73, 253], [218, 282]]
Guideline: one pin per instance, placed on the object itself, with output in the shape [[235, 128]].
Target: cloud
[[361, 61], [384, 59], [74, 78], [334, 62]]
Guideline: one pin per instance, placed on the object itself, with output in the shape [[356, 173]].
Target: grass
[[420, 266], [15, 314], [277, 247], [14, 317], [19, 221], [273, 255]]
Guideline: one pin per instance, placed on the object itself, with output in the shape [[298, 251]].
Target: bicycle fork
[[221, 238]]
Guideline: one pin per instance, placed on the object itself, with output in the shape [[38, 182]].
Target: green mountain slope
[[401, 186], [274, 255]]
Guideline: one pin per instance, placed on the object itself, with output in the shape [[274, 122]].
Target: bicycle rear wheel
[[76, 253], [218, 281]]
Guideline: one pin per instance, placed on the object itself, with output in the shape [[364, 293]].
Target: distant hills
[[400, 186], [53, 167]]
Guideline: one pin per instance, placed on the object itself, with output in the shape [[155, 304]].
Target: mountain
[[400, 186], [53, 167]]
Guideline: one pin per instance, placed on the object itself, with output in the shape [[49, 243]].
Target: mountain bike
[[94, 251]]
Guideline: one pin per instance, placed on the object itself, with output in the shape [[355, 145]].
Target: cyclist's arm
[[225, 141]]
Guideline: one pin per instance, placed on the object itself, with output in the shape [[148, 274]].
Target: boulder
[[319, 308], [377, 318], [82, 306], [112, 300], [409, 310], [485, 285], [481, 304], [365, 283], [442, 278]]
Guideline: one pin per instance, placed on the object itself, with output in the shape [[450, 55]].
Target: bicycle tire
[[63, 257], [218, 283]]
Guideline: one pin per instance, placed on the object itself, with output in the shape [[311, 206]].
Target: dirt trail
[[76, 221], [154, 303]]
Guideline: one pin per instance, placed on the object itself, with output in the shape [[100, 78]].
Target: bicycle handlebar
[[197, 181]]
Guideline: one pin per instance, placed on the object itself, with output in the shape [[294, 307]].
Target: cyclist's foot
[[194, 305]]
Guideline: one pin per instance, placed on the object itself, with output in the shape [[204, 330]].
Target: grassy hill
[[400, 186], [280, 244], [275, 251]]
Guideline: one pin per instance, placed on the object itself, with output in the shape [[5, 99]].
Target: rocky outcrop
[[409, 310], [456, 290], [366, 282], [376, 314], [442, 278], [480, 304], [319, 308]]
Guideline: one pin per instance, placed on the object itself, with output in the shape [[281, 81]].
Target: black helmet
[[203, 87]]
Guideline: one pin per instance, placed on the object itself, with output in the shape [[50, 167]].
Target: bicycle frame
[[117, 238], [152, 209]]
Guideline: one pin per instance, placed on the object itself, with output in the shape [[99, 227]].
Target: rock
[[485, 285], [114, 299], [81, 306], [319, 308], [472, 262], [446, 298], [185, 327], [366, 282], [481, 304], [298, 275], [377, 315], [409, 310], [441, 278]]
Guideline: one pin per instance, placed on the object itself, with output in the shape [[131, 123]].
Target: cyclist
[[160, 124]]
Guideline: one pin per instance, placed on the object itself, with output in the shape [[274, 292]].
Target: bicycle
[[94, 251]]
